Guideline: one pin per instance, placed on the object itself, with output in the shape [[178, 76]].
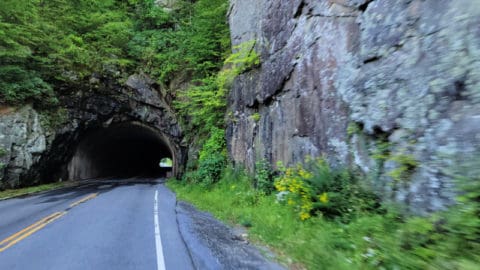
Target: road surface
[[117, 225]]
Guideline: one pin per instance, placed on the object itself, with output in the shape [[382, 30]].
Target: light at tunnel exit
[[166, 163]]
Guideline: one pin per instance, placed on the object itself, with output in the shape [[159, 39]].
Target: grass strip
[[371, 241], [269, 223], [8, 193]]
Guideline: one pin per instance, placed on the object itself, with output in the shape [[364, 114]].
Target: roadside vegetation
[[316, 217], [9, 193]]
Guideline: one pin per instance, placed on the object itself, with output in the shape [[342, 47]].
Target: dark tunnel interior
[[122, 151]]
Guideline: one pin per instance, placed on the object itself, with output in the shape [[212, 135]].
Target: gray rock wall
[[383, 86], [23, 139]]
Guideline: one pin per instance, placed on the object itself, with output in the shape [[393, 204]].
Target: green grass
[[23, 191], [303, 244], [371, 241]]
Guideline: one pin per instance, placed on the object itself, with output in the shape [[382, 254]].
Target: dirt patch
[[6, 110]]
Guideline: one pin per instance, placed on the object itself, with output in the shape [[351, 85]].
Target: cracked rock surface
[[403, 72]]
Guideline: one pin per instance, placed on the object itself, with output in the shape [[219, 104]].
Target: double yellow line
[[19, 236]]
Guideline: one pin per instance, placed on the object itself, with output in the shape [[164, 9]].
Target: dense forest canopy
[[44, 44]]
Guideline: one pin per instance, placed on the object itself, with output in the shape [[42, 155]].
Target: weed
[[406, 165], [256, 117], [314, 188], [22, 191], [264, 177]]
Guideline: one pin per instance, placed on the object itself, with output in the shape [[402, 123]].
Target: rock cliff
[[23, 140], [389, 87]]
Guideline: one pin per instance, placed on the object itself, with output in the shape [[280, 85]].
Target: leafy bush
[[264, 174], [204, 104], [406, 165], [210, 169], [256, 117], [3, 152], [212, 160], [315, 188], [18, 86]]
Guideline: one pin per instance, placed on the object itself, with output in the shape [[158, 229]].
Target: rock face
[[39, 146], [22, 139], [379, 85]]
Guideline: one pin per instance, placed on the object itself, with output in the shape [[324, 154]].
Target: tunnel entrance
[[121, 151]]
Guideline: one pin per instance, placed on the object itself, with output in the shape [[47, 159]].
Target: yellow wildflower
[[323, 197], [304, 216], [305, 174], [279, 185]]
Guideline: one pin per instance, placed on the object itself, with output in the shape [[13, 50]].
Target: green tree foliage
[[18, 26], [192, 38], [45, 43]]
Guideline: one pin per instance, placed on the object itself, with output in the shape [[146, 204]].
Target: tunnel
[[121, 151]]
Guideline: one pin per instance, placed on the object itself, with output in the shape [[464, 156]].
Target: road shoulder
[[214, 245]]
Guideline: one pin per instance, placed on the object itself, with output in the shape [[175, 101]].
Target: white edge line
[[158, 238]]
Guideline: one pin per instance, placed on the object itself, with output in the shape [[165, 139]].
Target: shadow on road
[[100, 186]]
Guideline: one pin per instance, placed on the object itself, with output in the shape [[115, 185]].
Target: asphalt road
[[106, 225], [118, 224]]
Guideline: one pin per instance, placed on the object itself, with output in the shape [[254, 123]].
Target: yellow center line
[[28, 228], [89, 197], [17, 237]]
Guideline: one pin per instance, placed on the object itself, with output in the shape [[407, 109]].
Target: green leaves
[[17, 85], [67, 41], [212, 160], [192, 38], [42, 42]]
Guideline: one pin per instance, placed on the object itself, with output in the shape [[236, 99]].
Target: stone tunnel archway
[[122, 150], [118, 130]]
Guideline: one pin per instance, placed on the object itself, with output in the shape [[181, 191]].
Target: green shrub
[[3, 152], [256, 117], [264, 177], [315, 188], [204, 104], [353, 128], [406, 165], [19, 86], [210, 169], [215, 144], [212, 160]]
